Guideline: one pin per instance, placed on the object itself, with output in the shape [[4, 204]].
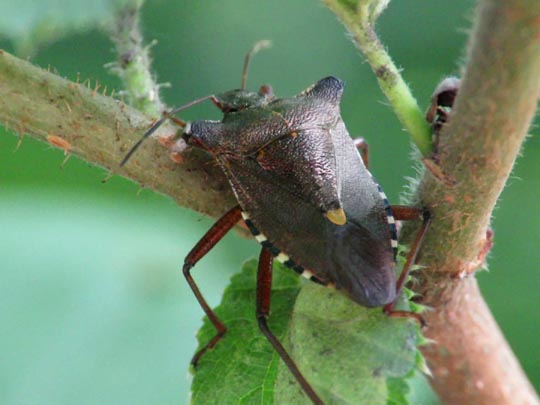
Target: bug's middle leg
[[264, 290]]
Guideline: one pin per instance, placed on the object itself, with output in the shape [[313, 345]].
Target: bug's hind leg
[[207, 242], [363, 148], [404, 213], [264, 290]]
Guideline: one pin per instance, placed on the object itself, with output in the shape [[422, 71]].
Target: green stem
[[133, 66], [359, 21]]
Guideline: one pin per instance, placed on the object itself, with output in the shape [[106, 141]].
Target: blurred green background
[[93, 306]]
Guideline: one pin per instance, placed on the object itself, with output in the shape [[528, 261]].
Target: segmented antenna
[[260, 45]]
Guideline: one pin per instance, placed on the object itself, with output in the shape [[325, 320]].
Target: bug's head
[[204, 135], [240, 99]]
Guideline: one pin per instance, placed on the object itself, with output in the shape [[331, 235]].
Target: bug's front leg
[[264, 291], [207, 242], [404, 213]]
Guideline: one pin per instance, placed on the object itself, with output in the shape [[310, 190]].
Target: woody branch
[[470, 360]]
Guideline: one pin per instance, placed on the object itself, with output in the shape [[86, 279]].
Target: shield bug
[[304, 192]]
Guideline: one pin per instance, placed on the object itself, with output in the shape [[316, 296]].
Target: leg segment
[[264, 290], [208, 241], [363, 148], [404, 213]]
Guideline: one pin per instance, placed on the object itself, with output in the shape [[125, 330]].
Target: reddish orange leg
[[363, 148], [208, 241], [403, 213], [264, 290]]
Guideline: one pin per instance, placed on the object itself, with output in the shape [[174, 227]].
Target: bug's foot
[[407, 314]]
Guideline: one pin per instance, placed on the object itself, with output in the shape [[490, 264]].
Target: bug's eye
[[187, 135]]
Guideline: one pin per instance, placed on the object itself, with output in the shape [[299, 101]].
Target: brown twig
[[471, 361]]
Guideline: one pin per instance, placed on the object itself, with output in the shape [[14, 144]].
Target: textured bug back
[[289, 163]]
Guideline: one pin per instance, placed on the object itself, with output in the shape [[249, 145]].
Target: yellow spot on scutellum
[[337, 216]]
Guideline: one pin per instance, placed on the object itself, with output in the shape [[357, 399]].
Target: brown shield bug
[[305, 194]]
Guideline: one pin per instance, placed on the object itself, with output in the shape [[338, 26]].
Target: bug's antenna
[[260, 45], [165, 116]]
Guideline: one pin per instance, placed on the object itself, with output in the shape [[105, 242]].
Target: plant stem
[[101, 130], [359, 21], [470, 360], [133, 65]]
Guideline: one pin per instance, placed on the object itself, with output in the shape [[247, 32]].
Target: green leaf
[[242, 367], [347, 352], [398, 388]]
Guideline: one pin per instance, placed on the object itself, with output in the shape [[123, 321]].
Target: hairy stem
[[359, 21], [100, 130], [470, 360], [133, 65]]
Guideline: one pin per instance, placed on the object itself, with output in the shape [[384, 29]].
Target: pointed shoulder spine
[[329, 89]]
